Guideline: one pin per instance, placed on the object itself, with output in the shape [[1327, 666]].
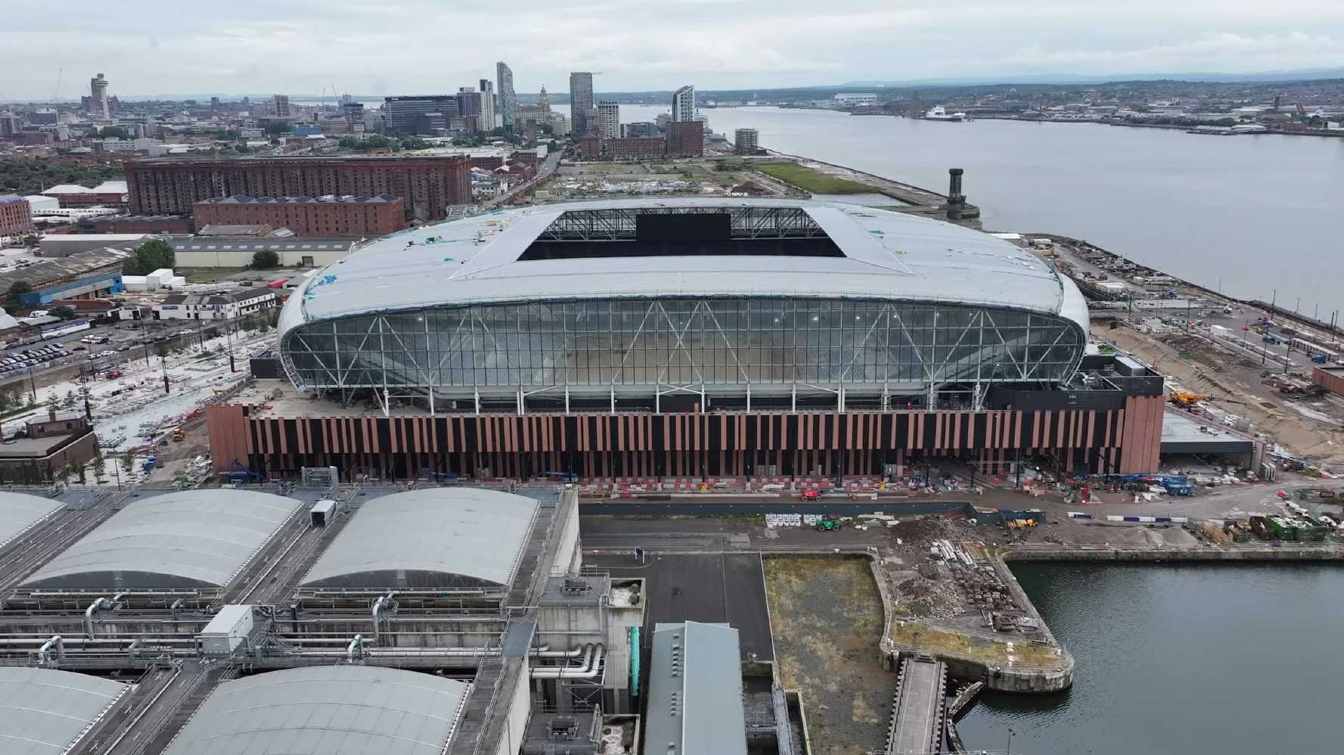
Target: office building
[[409, 115], [608, 120], [508, 99], [581, 102], [683, 104], [470, 107], [746, 141], [98, 103], [427, 185], [488, 114], [281, 106]]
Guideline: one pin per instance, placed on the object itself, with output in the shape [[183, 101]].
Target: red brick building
[[139, 224], [307, 216], [634, 148], [16, 216], [427, 185], [588, 148], [686, 139]]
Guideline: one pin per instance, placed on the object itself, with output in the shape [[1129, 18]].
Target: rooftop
[[400, 540], [780, 248], [20, 512], [333, 710], [193, 538], [695, 691], [327, 199], [45, 711], [50, 270]]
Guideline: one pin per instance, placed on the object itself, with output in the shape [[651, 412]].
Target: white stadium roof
[[428, 538], [333, 710], [196, 538], [20, 512], [886, 256], [45, 711]]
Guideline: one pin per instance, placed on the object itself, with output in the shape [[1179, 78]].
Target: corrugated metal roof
[[436, 537], [332, 710], [193, 538], [888, 255], [695, 691], [45, 711], [19, 512]]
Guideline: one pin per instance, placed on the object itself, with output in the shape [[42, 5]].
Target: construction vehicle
[[811, 494], [1185, 399], [178, 435], [827, 524], [1021, 524]]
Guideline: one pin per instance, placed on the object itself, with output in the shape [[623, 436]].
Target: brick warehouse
[[427, 185], [307, 216], [689, 337]]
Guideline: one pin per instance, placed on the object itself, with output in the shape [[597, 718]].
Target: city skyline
[[793, 44]]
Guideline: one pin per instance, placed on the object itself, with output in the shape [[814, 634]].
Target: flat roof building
[[20, 512], [695, 692], [307, 216]]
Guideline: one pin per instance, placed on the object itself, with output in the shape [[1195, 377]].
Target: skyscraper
[[489, 107], [580, 102], [608, 120], [471, 106], [544, 102], [98, 106], [508, 100], [683, 104], [281, 106]]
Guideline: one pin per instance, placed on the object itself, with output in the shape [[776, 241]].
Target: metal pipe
[[592, 666], [42, 652]]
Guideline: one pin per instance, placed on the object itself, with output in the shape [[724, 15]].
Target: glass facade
[[725, 344]]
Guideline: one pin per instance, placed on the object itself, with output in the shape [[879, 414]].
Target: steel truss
[[707, 347], [747, 223]]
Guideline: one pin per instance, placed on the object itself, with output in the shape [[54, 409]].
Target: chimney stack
[[955, 199]]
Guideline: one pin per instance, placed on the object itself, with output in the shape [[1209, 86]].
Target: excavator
[[1186, 399]]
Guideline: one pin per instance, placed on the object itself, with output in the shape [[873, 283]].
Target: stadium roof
[[695, 691], [333, 710], [436, 537], [19, 512], [45, 711], [193, 538], [885, 255]]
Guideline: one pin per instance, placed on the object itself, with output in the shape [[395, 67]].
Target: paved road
[[918, 715]]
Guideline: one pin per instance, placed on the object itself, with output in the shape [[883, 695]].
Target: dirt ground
[[1237, 384], [826, 617]]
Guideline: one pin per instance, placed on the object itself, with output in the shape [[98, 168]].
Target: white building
[[228, 305], [850, 99], [683, 104], [608, 120]]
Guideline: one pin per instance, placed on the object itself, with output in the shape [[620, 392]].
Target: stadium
[[690, 337]]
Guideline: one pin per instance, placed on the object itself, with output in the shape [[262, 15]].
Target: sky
[[385, 47]]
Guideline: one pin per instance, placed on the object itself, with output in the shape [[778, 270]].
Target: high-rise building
[[282, 106], [508, 99], [98, 105], [580, 101], [487, 105], [686, 139], [608, 120], [683, 104], [469, 107], [746, 141], [544, 102]]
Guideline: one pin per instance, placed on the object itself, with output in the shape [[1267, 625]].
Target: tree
[[148, 257], [14, 299], [265, 259], [62, 312]]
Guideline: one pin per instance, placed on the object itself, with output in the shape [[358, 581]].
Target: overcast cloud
[[380, 47]]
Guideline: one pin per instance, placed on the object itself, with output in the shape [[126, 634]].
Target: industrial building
[[307, 216], [82, 275], [236, 249], [16, 217], [427, 185], [437, 620], [695, 691], [689, 338]]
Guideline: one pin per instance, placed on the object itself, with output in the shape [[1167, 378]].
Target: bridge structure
[[919, 708]]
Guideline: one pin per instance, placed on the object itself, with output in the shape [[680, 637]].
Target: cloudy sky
[[379, 47]]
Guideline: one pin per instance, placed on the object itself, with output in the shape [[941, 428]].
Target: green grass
[[814, 181]]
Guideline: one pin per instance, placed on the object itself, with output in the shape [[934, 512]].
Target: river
[[1235, 660], [1249, 214]]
